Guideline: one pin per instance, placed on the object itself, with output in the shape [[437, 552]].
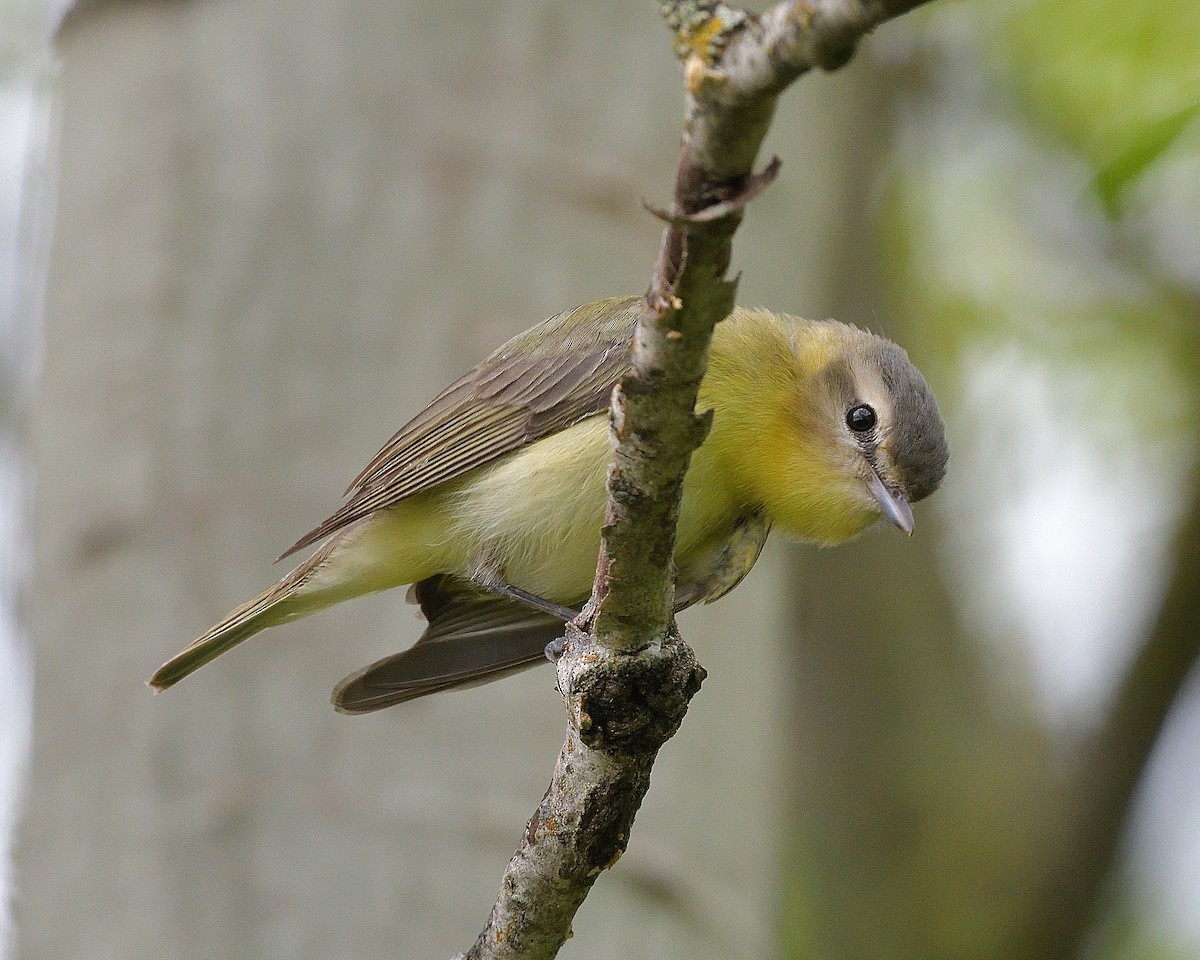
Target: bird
[[489, 502]]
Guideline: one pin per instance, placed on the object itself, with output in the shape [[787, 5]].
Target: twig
[[626, 675]]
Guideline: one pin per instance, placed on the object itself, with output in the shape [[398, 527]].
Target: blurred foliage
[[1120, 82], [1127, 937], [1020, 249]]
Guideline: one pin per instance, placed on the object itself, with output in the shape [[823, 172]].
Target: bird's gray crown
[[918, 445]]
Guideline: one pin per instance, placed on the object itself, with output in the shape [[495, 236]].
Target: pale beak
[[892, 504]]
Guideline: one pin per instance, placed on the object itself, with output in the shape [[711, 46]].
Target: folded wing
[[543, 380], [473, 638]]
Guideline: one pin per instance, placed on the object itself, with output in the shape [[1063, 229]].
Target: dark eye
[[860, 419]]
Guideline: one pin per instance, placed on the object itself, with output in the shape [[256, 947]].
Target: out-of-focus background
[[240, 243]]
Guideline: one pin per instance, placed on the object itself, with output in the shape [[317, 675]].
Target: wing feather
[[542, 381], [473, 638]]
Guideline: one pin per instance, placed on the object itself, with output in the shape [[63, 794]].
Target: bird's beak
[[892, 504]]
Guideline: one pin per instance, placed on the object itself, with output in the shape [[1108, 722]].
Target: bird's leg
[[488, 580], [565, 614], [487, 577]]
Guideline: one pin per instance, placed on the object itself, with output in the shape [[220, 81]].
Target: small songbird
[[490, 500]]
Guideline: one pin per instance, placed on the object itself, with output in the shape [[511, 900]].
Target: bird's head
[[883, 439], [851, 432]]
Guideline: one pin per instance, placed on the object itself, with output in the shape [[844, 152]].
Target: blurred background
[[241, 243]]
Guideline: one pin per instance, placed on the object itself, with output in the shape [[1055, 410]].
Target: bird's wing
[[541, 381], [473, 638], [717, 571]]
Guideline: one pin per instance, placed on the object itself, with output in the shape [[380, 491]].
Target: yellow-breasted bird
[[490, 500]]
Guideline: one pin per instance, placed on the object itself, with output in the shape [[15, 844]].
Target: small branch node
[[750, 188], [699, 78], [703, 28], [661, 213], [732, 200], [630, 703]]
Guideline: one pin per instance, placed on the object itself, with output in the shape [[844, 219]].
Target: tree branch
[[626, 675]]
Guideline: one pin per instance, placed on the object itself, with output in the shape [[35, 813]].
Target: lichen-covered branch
[[621, 713], [626, 676]]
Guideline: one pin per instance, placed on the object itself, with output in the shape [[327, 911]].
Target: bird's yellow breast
[[538, 511]]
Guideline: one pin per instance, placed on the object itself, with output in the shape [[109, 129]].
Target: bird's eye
[[860, 419]]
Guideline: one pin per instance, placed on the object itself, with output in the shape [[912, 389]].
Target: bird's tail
[[286, 600]]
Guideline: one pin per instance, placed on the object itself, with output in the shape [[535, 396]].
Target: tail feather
[[273, 606], [241, 624]]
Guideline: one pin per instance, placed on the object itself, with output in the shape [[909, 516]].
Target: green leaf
[[1153, 141], [1118, 81]]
